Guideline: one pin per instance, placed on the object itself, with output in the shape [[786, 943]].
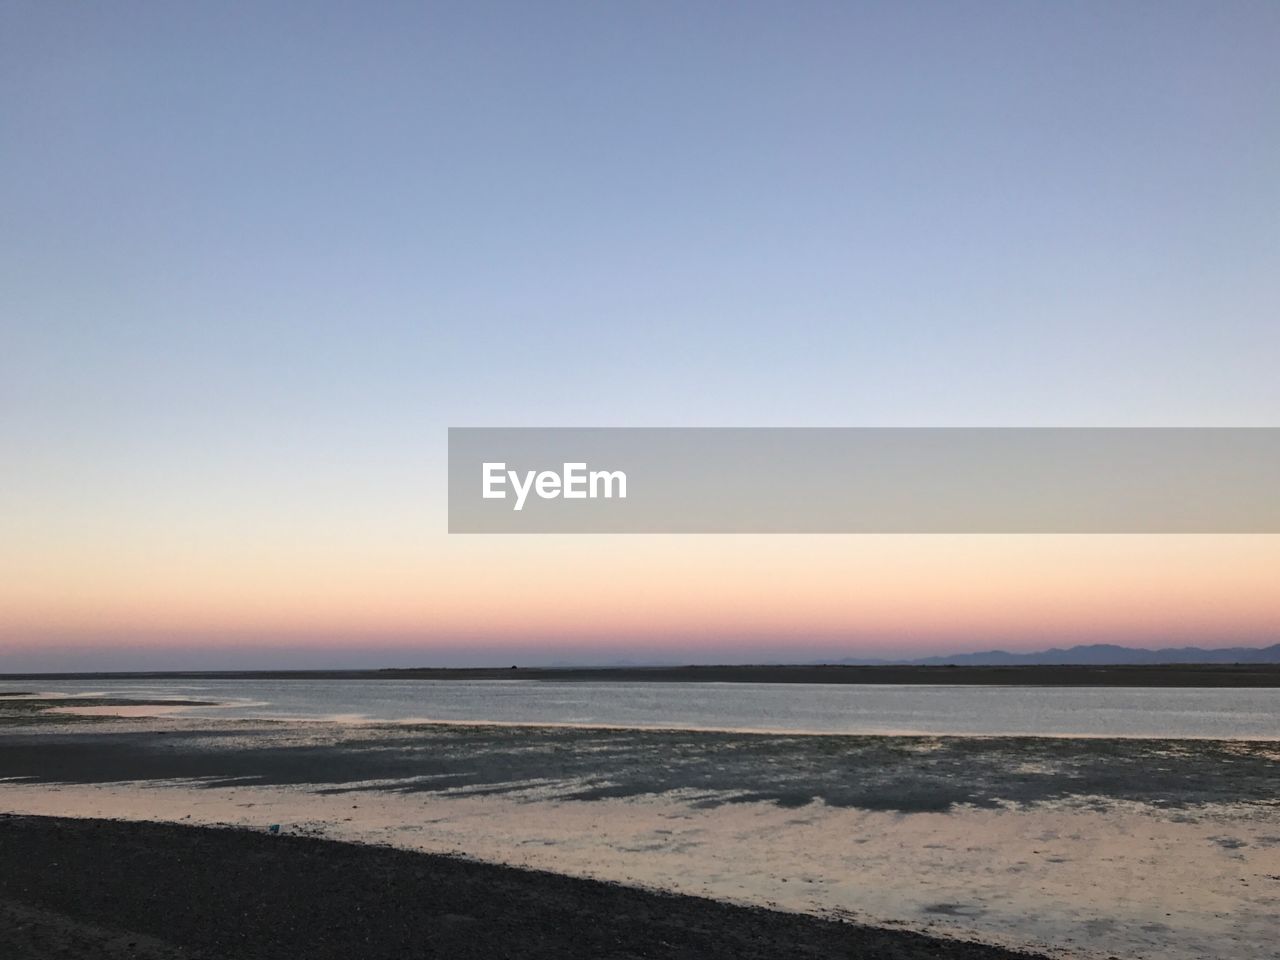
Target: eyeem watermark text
[[864, 480], [574, 482]]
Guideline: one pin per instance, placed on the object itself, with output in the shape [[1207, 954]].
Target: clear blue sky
[[423, 214], [242, 245]]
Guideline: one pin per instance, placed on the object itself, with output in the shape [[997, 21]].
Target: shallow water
[[783, 707]]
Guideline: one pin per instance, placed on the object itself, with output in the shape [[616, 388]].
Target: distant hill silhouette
[[1094, 654]]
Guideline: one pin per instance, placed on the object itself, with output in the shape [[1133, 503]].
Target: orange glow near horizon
[[895, 595]]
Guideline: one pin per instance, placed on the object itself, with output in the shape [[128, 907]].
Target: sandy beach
[[1088, 848]]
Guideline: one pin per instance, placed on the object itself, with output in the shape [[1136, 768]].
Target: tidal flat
[[1070, 847]]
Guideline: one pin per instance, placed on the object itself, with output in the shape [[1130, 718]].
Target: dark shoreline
[[98, 889], [1124, 675]]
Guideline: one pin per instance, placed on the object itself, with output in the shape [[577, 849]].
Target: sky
[[256, 258]]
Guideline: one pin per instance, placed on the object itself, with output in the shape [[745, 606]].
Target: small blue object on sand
[[274, 828]]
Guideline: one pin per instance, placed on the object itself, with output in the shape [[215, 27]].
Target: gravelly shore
[[93, 889]]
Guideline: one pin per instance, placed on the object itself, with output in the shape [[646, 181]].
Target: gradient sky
[[254, 259]]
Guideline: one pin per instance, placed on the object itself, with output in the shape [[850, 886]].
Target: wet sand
[[18, 708], [1086, 848]]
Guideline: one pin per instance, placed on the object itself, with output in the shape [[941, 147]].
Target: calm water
[[817, 708]]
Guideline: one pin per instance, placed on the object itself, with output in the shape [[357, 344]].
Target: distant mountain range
[[1094, 653]]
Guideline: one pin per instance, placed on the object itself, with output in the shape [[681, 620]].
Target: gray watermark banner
[[864, 480]]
